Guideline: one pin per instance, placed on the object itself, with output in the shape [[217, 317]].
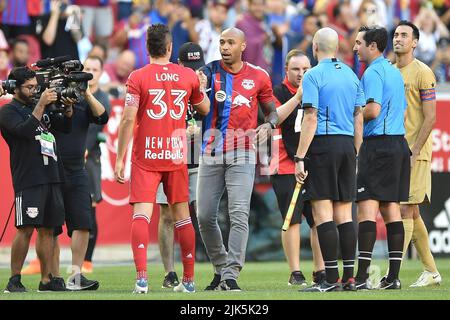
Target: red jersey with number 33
[[161, 93]]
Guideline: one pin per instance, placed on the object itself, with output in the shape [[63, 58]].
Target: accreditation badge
[[47, 141]]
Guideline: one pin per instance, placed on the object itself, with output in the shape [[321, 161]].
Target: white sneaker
[[427, 278], [141, 286], [186, 287]]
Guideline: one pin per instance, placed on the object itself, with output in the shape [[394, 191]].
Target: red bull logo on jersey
[[248, 84], [240, 100]]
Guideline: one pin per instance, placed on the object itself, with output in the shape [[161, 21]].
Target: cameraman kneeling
[[76, 190], [35, 169]]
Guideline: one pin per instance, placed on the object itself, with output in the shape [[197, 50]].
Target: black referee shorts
[[384, 169], [284, 185], [331, 167], [94, 171], [77, 202], [40, 206]]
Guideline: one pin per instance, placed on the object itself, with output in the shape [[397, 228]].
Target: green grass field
[[260, 281]]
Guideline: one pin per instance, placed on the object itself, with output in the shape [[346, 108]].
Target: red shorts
[[144, 184]]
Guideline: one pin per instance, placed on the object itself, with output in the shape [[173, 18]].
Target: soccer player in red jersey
[[154, 115]]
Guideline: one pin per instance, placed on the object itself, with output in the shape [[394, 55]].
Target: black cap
[[191, 55]]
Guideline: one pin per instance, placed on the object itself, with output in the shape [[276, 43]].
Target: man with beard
[[420, 117], [36, 175], [228, 153]]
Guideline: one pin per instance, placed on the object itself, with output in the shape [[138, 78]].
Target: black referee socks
[[395, 238], [367, 235], [328, 240], [347, 239]]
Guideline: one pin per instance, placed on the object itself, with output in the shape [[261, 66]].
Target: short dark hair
[[93, 57], [294, 53], [21, 74], [16, 41], [158, 37], [416, 33], [378, 35], [102, 46], [336, 10]]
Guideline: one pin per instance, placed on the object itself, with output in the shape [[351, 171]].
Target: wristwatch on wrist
[[298, 159]]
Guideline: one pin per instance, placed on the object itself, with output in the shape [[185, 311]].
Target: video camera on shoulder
[[9, 86], [66, 76]]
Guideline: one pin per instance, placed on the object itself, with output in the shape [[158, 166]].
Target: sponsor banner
[[441, 138], [437, 215]]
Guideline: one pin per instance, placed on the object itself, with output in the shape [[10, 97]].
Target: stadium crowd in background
[[275, 26]]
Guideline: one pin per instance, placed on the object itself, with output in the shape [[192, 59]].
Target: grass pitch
[[259, 281]]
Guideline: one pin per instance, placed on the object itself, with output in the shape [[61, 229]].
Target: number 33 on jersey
[[161, 93]]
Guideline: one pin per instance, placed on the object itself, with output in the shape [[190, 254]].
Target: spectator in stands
[[5, 66], [182, 26], [431, 30], [441, 64], [368, 14], [377, 8], [99, 50], [18, 21], [61, 28], [310, 26], [15, 20], [124, 9], [3, 42], [160, 11], [278, 18], [97, 18], [259, 37], [344, 24], [20, 53], [131, 34], [116, 74], [209, 29]]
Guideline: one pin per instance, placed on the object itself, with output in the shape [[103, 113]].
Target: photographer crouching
[[28, 129], [76, 189]]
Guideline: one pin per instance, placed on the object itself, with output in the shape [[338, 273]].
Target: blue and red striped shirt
[[234, 100], [16, 13]]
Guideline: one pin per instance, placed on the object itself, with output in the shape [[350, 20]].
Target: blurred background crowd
[[115, 30]]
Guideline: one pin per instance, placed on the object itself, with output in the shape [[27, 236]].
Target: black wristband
[[298, 159]]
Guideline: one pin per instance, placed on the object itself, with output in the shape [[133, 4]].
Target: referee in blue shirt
[[384, 159], [331, 136]]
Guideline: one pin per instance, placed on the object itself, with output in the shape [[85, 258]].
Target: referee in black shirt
[[36, 174]]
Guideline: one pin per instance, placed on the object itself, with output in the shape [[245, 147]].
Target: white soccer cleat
[[141, 286], [427, 278], [186, 287]]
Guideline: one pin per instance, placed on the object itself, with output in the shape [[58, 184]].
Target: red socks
[[139, 242], [186, 237]]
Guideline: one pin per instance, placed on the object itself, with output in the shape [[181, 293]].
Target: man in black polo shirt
[[76, 191], [36, 174]]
